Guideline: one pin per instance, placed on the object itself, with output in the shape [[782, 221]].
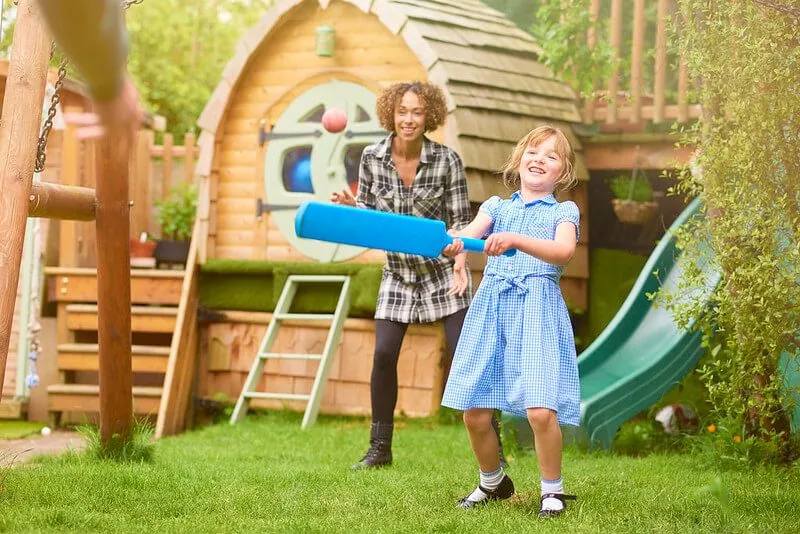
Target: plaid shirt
[[414, 288]]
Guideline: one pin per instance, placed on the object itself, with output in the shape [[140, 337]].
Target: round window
[[305, 162]]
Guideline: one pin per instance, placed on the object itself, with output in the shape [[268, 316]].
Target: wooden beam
[[114, 290], [173, 413], [19, 130], [622, 155], [54, 201]]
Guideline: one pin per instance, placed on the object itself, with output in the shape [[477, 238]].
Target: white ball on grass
[[46, 431]]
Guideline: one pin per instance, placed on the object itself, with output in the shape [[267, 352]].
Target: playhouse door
[[305, 162]]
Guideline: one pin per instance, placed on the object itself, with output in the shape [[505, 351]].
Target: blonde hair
[[535, 137]]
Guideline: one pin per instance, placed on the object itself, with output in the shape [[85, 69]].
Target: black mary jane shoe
[[545, 514], [501, 493]]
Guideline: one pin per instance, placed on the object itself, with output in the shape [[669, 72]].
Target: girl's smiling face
[[540, 167]]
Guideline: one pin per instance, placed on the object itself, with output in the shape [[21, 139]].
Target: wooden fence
[[666, 95], [154, 170]]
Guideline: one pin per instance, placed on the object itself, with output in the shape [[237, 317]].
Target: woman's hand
[[344, 197], [453, 249], [460, 279], [497, 244]]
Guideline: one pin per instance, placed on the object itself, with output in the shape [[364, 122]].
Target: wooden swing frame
[[107, 205]]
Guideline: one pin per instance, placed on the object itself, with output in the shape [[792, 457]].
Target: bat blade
[[371, 229]]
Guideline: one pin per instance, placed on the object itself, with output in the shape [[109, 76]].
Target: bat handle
[[477, 245]]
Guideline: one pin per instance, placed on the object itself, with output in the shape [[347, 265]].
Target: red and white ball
[[334, 120]]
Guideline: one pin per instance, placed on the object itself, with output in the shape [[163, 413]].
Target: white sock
[[490, 481], [552, 486]]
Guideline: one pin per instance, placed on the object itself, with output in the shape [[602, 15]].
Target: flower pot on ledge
[[142, 249], [634, 212], [172, 252]]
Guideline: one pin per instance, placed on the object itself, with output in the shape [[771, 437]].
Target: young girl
[[517, 351]]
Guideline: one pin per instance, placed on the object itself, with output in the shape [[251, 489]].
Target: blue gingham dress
[[517, 348]]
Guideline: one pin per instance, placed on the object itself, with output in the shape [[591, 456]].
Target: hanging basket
[[633, 212]]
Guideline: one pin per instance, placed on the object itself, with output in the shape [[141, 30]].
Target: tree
[[179, 49], [745, 54], [747, 168]]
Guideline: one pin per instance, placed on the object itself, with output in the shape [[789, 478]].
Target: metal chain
[[41, 155]]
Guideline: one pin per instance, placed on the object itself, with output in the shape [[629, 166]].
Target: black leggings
[[388, 340]]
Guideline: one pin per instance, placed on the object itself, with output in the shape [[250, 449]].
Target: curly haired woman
[[409, 174]]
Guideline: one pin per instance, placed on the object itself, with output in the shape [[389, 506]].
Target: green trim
[[256, 285]]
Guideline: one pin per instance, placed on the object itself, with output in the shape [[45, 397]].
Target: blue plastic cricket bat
[[377, 229]]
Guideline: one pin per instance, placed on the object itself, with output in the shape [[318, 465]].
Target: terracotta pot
[[142, 249]]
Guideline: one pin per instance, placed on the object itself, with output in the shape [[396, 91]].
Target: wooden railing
[[658, 95]]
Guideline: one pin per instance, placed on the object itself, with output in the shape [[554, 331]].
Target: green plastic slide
[[642, 353]]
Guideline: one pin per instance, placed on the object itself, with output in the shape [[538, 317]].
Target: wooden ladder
[[325, 359]]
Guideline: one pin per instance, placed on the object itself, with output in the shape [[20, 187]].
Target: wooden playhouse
[[263, 151]]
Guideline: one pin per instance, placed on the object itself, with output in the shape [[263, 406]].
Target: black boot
[[379, 453], [496, 426]]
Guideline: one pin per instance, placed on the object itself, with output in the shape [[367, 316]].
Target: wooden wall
[[229, 348], [285, 66]]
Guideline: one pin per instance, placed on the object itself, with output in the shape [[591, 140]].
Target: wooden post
[[660, 80], [114, 289], [166, 182], [591, 41], [636, 60], [70, 176], [188, 158], [141, 176], [19, 130], [616, 40]]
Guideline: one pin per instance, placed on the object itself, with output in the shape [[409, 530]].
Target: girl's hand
[[453, 249], [459, 279], [497, 244], [344, 197]]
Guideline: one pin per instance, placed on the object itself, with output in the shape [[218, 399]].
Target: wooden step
[[86, 398], [84, 357], [143, 318], [148, 286]]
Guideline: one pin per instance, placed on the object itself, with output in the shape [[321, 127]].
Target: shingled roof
[[497, 89]]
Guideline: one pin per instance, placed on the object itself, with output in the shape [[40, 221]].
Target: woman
[[409, 174]]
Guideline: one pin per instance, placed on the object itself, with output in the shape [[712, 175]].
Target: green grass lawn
[[19, 429], [266, 475]]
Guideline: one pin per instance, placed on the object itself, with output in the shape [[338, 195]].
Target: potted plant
[[144, 247], [176, 215], [633, 202]]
